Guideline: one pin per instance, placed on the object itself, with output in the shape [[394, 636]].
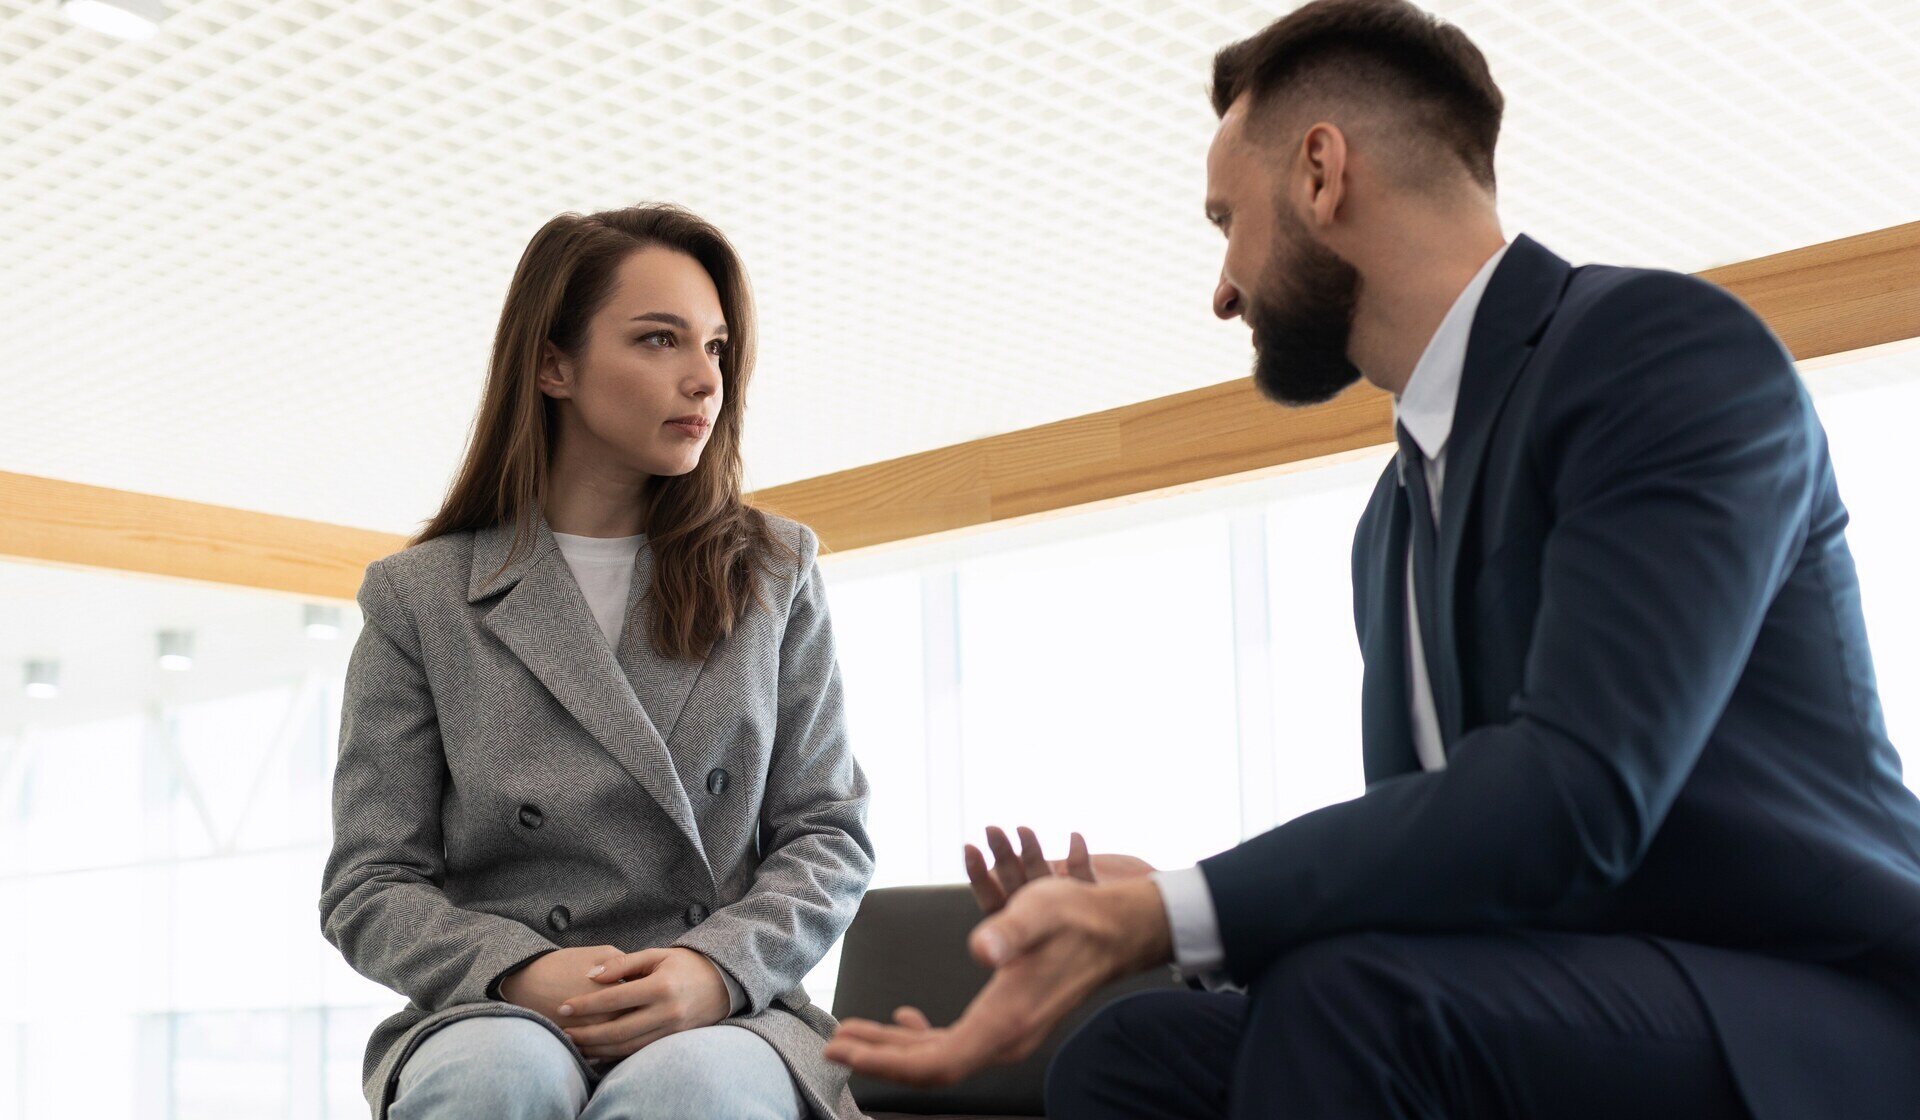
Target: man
[[1634, 842]]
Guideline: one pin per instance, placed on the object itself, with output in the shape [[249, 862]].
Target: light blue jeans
[[507, 1068]]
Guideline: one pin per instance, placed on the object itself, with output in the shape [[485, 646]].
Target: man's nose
[[1226, 300]]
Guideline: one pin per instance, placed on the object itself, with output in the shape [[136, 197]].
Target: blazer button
[[696, 914], [717, 782], [558, 919], [530, 816]]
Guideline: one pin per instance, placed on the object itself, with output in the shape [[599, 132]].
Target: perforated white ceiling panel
[[256, 259]]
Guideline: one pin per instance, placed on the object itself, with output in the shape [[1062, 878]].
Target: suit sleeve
[[1678, 446], [817, 859], [381, 902]]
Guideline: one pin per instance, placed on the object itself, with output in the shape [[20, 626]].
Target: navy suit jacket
[[1654, 689]]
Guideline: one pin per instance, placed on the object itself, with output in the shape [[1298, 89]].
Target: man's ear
[[1322, 166], [555, 375]]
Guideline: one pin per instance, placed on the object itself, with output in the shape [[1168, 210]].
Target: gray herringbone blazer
[[507, 784]]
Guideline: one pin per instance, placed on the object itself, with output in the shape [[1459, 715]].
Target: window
[[1096, 684]]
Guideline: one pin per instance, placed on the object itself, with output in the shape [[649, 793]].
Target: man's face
[[1296, 295]]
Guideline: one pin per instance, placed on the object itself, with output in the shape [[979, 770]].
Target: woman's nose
[[704, 381]]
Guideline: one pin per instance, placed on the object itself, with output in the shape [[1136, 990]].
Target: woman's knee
[[721, 1071], [491, 1065]]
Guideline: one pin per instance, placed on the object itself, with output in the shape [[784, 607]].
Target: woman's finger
[[1032, 860], [628, 966], [627, 1028], [986, 889], [616, 1051], [911, 1018], [615, 997]]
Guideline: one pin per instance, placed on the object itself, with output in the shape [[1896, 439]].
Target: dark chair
[[908, 946]]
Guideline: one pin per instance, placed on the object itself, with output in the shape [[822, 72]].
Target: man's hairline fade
[[1382, 66]]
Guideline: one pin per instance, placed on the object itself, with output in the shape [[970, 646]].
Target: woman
[[595, 813]]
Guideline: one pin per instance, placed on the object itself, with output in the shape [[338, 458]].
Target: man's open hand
[[1054, 944], [1011, 871]]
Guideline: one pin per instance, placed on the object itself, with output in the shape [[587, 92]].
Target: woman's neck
[[592, 498]]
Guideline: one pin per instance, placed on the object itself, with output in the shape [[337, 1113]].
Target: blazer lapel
[[1386, 737], [544, 619], [1519, 302], [662, 684]]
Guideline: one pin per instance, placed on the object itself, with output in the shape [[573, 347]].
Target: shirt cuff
[[1190, 915], [736, 995]]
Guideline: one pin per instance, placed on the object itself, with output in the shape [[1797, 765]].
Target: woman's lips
[[693, 428]]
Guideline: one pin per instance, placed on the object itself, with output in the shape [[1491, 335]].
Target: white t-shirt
[[603, 567]]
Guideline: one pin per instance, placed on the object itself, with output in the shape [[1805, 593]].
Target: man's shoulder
[[1609, 296], [1632, 352], [1621, 329]]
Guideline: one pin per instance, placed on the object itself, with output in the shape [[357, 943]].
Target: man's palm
[[1062, 941]]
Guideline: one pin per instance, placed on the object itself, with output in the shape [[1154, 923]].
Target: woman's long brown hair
[[706, 541]]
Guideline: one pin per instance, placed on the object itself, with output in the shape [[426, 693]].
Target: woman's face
[[646, 390]]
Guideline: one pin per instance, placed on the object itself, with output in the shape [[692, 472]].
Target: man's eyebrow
[[672, 320]]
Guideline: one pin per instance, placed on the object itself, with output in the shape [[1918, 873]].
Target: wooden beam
[[1838, 296], [1821, 300], [68, 523]]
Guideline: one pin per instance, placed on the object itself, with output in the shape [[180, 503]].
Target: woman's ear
[[555, 375]]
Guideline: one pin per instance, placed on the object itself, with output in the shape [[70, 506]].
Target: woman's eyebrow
[[673, 320]]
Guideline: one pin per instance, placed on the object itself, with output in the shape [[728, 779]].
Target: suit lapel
[[544, 620], [1385, 735], [1521, 297]]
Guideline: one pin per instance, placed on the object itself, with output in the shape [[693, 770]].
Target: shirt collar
[[1425, 406]]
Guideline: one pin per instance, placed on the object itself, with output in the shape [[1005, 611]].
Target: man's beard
[[1300, 327]]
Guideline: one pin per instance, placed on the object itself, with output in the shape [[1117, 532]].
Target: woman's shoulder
[[797, 545], [423, 572]]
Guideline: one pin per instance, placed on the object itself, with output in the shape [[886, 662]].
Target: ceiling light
[[122, 19], [322, 622], [43, 679], [176, 650]]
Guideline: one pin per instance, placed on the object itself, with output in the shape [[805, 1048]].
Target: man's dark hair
[[1425, 73]]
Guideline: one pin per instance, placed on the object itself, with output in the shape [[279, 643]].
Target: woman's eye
[[716, 347], [667, 336]]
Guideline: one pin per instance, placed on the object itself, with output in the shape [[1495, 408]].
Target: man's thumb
[[997, 940]]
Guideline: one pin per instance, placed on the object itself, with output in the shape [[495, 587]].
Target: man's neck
[[1406, 294]]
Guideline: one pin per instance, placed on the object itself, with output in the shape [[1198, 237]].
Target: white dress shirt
[[603, 567], [1425, 407]]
